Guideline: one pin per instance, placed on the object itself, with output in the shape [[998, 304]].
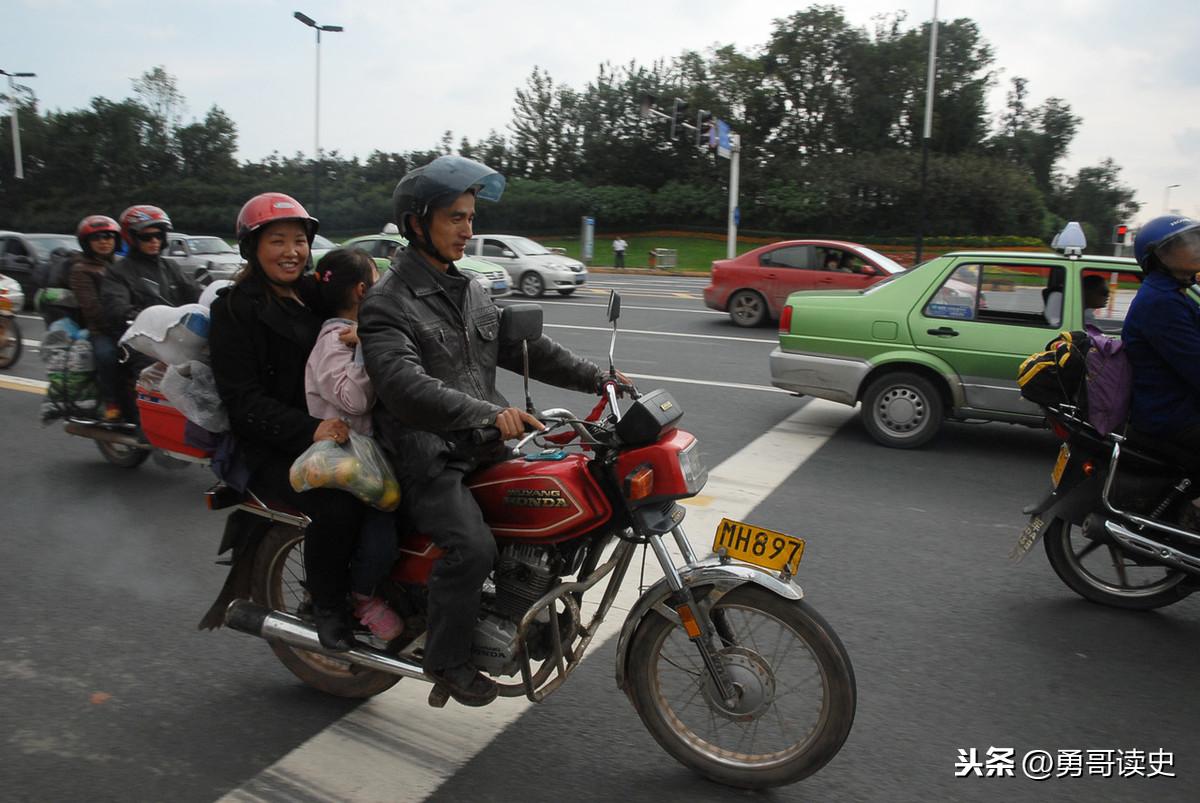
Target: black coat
[[260, 345], [125, 290], [433, 365]]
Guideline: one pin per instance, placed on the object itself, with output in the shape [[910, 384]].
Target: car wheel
[[902, 410], [532, 284], [747, 308]]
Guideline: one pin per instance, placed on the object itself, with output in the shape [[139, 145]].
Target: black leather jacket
[[126, 289], [433, 365]]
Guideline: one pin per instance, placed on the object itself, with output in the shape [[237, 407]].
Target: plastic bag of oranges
[[356, 466]]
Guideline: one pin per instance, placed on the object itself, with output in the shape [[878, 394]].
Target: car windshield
[[523, 245], [210, 245], [323, 242], [887, 263], [45, 243], [895, 277]]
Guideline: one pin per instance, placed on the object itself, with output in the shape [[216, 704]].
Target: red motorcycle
[[733, 673]]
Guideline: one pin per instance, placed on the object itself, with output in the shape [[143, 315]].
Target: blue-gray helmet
[[438, 183]]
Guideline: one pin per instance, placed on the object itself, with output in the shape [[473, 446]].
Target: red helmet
[[270, 207], [142, 216], [95, 224]]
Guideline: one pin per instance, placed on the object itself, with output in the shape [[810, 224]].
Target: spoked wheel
[[10, 341], [279, 585], [796, 691], [1100, 571], [121, 455]]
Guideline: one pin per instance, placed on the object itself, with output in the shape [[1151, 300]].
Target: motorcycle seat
[[1165, 451]]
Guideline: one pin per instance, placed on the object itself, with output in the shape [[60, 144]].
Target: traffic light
[[678, 115], [1120, 234], [704, 124]]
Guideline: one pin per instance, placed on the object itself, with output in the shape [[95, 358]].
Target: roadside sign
[[587, 238], [724, 148]]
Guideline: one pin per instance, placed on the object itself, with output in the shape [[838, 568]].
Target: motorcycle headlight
[[695, 473]]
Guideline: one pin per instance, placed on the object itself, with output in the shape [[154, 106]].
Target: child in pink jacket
[[336, 386]]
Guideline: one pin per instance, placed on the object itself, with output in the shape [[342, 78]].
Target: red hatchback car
[[754, 286]]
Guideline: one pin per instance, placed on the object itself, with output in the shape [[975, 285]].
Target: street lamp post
[[18, 170], [927, 133], [1167, 198], [310, 22]]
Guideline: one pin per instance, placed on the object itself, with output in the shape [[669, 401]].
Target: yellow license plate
[[765, 548], [1060, 465]]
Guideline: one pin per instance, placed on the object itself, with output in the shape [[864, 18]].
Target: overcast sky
[[404, 71]]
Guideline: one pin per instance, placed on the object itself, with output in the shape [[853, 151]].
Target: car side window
[[1024, 295], [495, 248], [834, 260], [16, 248], [792, 256], [1105, 297], [177, 249]]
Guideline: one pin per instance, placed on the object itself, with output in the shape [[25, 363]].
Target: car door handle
[[942, 331]]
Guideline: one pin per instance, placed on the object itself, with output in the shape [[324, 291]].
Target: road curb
[[691, 274]]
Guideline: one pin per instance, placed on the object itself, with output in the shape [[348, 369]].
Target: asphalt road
[[108, 691]]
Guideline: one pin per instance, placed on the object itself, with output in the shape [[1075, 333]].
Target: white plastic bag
[[174, 335], [357, 466], [192, 390], [210, 293]]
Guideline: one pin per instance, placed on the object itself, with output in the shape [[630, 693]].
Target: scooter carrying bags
[[357, 466]]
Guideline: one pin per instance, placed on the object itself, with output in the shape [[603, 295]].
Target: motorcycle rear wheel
[[278, 578], [1126, 583], [801, 684], [121, 455]]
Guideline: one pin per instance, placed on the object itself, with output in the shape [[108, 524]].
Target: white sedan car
[[532, 268]]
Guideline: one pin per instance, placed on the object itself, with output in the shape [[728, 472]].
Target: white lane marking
[[31, 344], [709, 382], [22, 384], [395, 746], [37, 318], [660, 334]]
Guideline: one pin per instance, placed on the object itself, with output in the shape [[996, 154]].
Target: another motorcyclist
[[1162, 333], [97, 235], [430, 342], [144, 278], [263, 329]]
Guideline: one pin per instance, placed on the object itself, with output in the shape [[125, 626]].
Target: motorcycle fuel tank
[[540, 500]]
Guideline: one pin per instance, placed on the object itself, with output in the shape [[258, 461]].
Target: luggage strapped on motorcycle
[[1083, 368]]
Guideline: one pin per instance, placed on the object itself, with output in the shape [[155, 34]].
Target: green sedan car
[[944, 340]]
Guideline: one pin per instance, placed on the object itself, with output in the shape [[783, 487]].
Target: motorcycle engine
[[522, 575]]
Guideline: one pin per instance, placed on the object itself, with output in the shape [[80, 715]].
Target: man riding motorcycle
[[1162, 333], [142, 279], [429, 338]]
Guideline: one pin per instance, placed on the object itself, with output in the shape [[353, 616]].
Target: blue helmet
[[1152, 236]]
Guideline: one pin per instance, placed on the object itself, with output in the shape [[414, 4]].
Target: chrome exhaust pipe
[[249, 617], [107, 435], [1142, 545]]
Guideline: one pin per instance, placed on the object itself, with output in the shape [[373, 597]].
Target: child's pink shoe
[[381, 620]]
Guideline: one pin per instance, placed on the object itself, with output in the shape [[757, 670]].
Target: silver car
[[532, 267], [203, 258]]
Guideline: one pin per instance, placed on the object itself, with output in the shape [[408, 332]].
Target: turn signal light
[[639, 483], [1088, 468]]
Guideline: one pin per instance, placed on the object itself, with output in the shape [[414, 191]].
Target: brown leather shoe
[[466, 684]]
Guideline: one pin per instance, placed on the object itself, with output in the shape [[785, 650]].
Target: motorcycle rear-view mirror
[[520, 322], [614, 306]]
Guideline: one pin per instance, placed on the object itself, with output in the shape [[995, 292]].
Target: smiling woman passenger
[[263, 329]]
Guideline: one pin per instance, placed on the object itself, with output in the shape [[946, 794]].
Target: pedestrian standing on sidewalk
[[619, 246]]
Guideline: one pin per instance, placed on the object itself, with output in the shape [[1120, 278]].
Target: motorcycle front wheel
[[279, 585], [796, 691], [1101, 572]]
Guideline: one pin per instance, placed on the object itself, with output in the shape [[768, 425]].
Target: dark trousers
[[618, 259], [445, 510], [108, 370], [331, 538], [376, 551]]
